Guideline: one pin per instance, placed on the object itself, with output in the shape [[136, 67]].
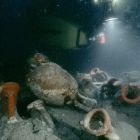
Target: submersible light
[[96, 1], [115, 1], [111, 19]]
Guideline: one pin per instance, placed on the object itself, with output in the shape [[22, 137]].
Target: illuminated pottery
[[125, 93], [104, 122], [97, 122], [132, 76], [9, 94], [53, 84]]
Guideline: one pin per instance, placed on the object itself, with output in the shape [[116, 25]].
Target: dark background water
[[18, 18]]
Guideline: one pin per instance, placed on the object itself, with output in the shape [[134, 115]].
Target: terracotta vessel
[[124, 91], [9, 95], [103, 116]]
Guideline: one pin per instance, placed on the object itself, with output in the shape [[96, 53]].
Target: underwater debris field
[[54, 105]]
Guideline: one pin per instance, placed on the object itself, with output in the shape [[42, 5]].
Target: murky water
[[79, 36]]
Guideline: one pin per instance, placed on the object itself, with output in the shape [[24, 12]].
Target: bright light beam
[[115, 1], [111, 19], [96, 1]]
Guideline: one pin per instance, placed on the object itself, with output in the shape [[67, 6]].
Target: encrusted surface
[[52, 83]]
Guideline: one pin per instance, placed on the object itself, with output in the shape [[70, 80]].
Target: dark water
[[22, 34], [18, 25]]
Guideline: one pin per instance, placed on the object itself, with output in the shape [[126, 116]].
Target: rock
[[37, 109], [39, 127], [132, 76], [67, 115], [71, 118], [68, 119], [24, 130], [126, 131], [67, 125]]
